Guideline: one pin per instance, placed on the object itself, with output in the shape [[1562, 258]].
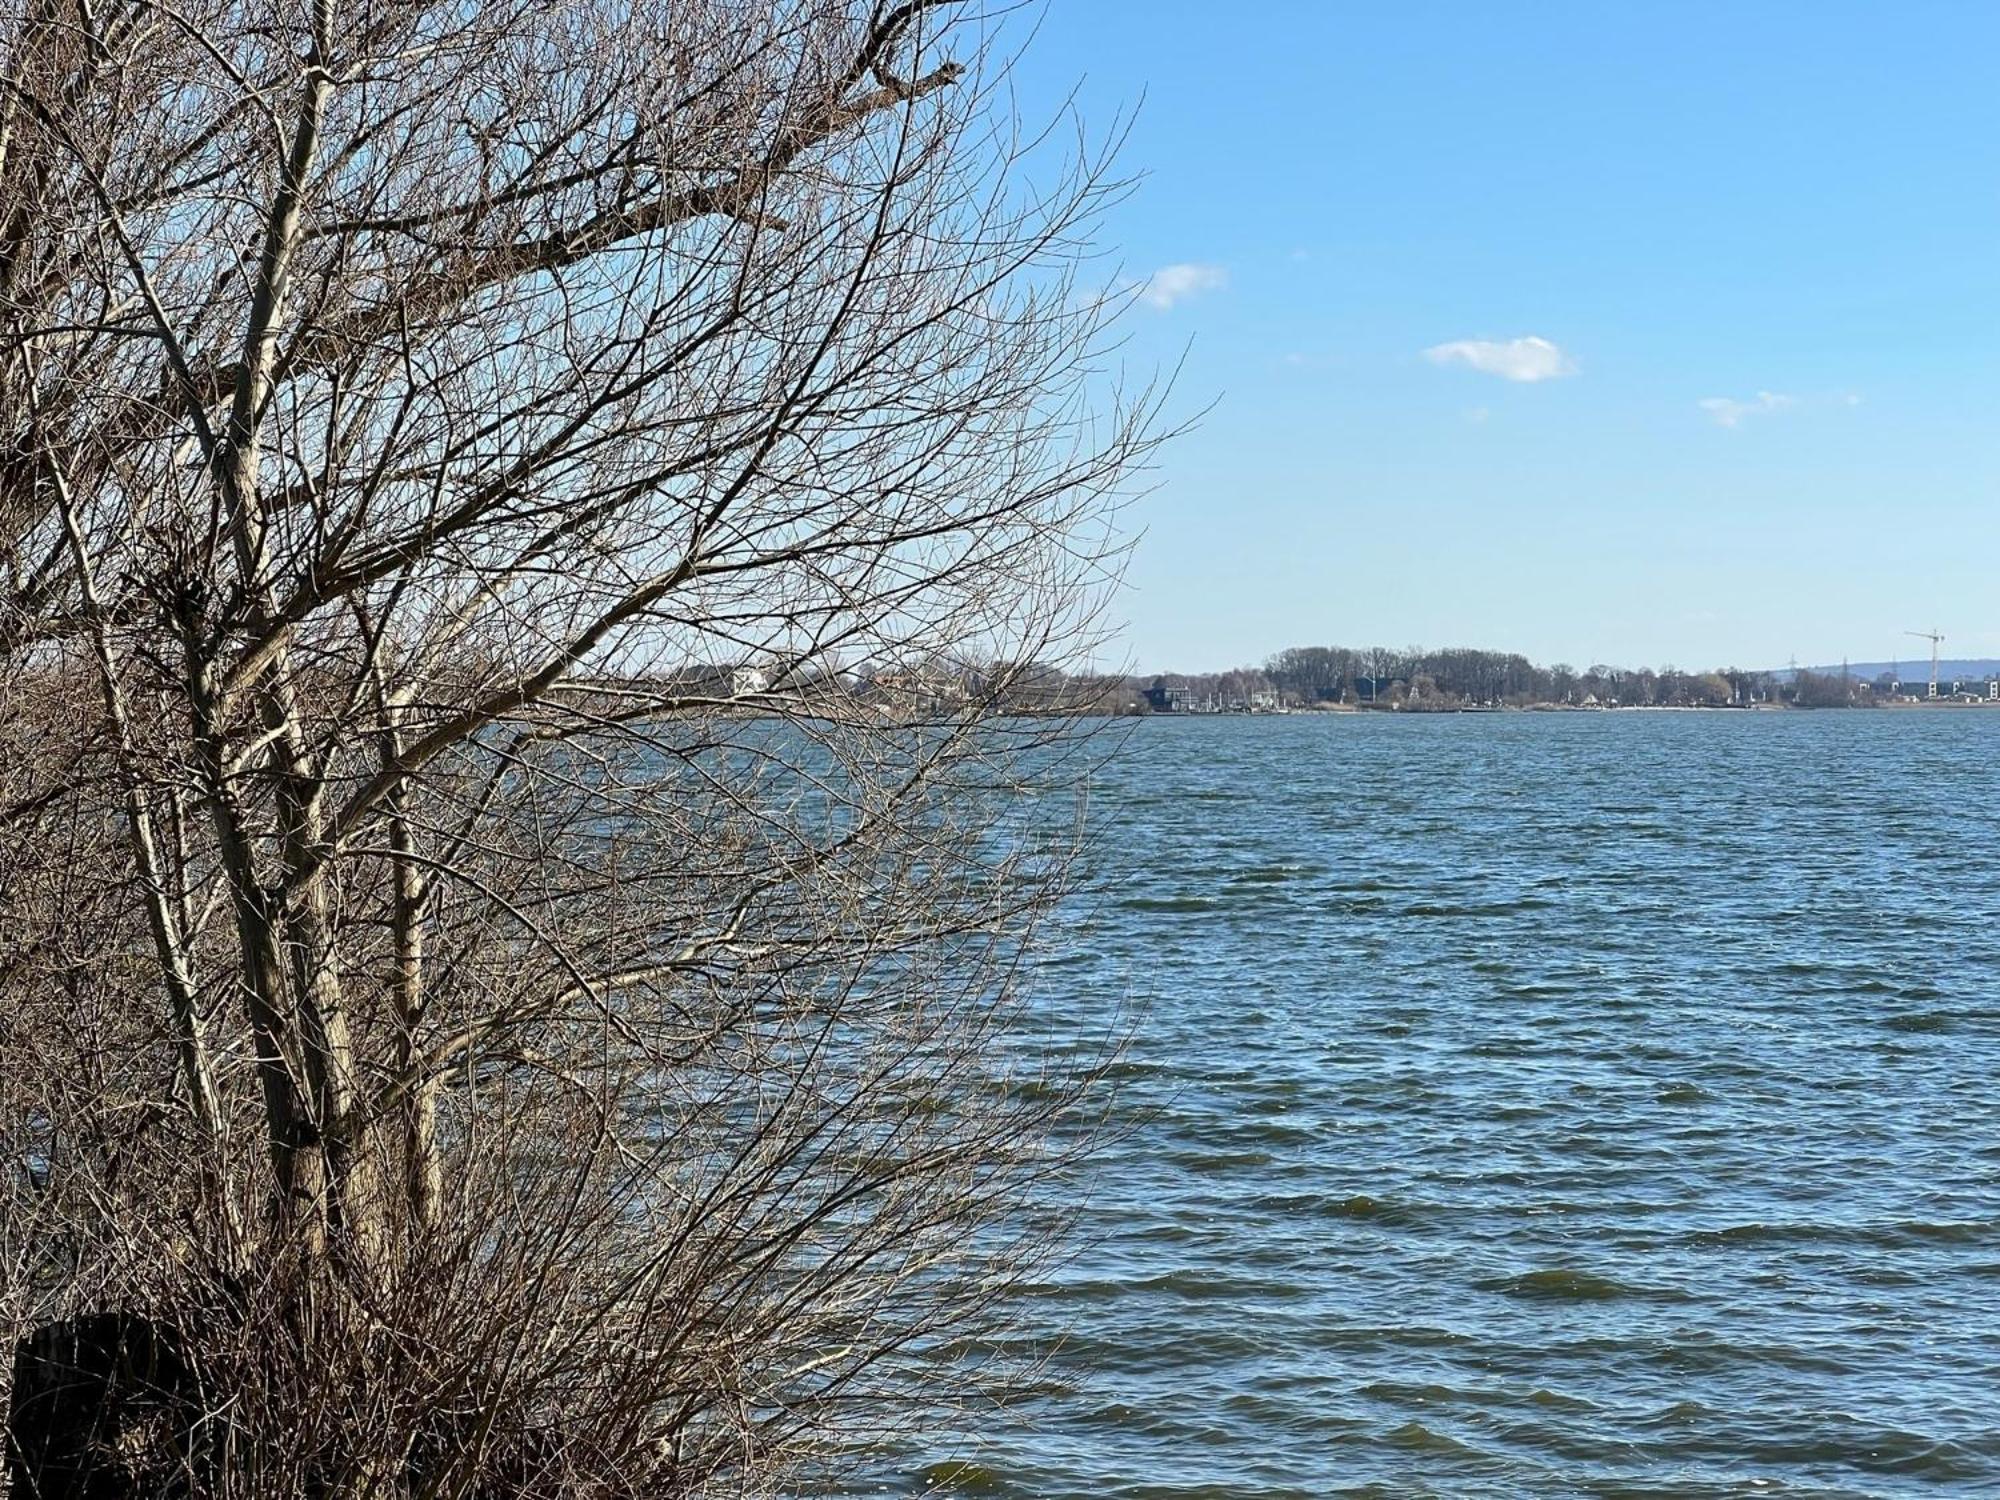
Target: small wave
[[1919, 1022], [1169, 903], [1362, 1206], [1940, 1232], [1272, 1133], [1557, 1401], [1208, 1286], [1759, 1234], [1358, 906], [1913, 1454], [957, 1477], [1268, 875], [1890, 1234], [1421, 1439], [1560, 1284], [1405, 1393], [1472, 908], [1226, 1162], [1358, 1206], [1399, 1337]]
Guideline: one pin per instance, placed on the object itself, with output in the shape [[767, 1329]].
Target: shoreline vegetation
[[1411, 679], [1414, 679], [1315, 679], [437, 1057]]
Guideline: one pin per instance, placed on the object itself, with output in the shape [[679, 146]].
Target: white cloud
[[1177, 283], [1523, 359], [1727, 411]]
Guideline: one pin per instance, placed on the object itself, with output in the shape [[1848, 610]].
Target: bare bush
[[488, 1004]]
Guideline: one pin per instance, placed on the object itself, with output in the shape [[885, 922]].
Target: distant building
[[1167, 696], [926, 688], [716, 681]]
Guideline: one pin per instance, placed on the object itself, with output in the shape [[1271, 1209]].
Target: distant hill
[[1911, 668]]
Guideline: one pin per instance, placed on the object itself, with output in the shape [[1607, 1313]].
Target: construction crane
[[1936, 639]]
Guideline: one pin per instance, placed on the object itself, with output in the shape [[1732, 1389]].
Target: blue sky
[[1750, 252]]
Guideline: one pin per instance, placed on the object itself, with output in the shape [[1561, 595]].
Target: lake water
[[1539, 1104]]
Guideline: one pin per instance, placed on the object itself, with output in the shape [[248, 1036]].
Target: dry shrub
[[530, 530]]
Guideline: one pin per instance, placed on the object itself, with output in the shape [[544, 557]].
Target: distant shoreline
[[1387, 710], [1415, 678]]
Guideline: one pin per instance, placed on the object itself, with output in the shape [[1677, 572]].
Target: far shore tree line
[[1459, 678], [1307, 677]]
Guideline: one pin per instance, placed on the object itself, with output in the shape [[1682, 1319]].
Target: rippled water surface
[[1540, 1105]]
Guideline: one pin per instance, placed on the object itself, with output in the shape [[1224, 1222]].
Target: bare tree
[[488, 1007]]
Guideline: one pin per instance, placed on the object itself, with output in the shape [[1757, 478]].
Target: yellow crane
[[1936, 639]]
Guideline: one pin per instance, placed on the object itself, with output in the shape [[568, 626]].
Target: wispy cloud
[[1524, 359], [1177, 283], [1727, 411]]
